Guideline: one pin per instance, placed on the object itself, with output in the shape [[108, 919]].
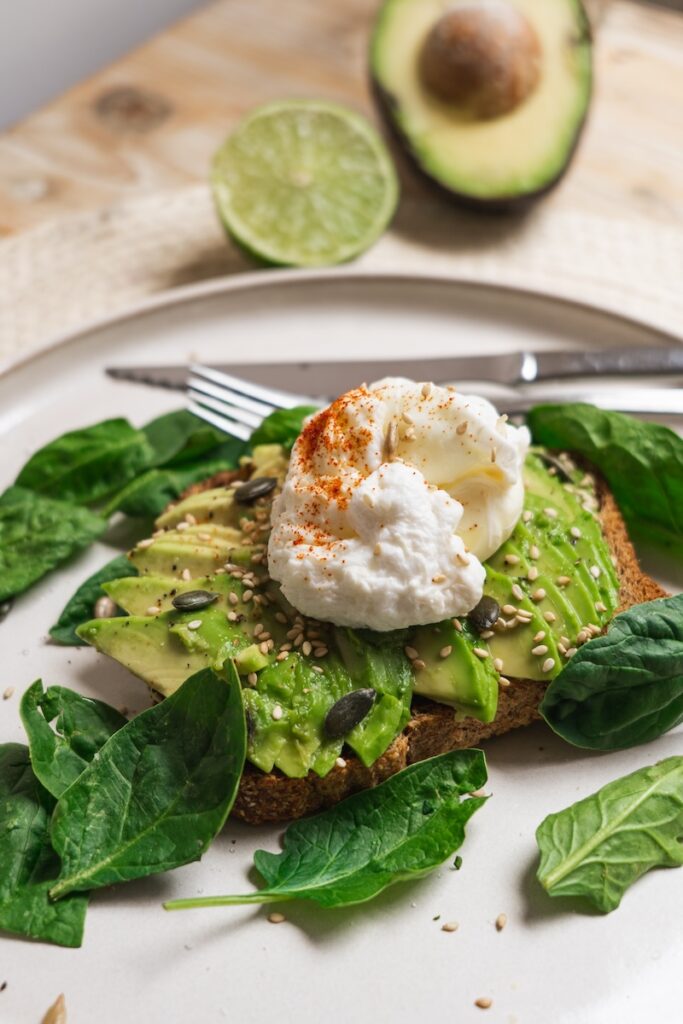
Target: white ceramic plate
[[388, 960]]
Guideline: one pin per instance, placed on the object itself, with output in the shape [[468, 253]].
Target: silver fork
[[238, 406]]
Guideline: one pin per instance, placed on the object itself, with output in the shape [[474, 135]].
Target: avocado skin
[[405, 154]]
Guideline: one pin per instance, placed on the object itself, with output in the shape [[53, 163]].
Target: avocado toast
[[557, 581]]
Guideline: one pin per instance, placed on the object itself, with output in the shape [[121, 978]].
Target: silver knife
[[511, 368]]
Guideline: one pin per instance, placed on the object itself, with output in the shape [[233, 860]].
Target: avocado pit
[[484, 58]]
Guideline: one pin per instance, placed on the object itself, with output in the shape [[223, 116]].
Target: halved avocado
[[487, 96]]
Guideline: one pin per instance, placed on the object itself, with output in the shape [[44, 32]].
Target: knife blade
[[511, 368]]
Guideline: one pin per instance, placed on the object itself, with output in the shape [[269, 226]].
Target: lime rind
[[304, 183]]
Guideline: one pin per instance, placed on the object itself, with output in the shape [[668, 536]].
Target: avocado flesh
[[504, 159]]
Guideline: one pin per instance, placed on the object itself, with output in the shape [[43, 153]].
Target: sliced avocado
[[198, 550], [137, 595], [453, 674], [489, 100]]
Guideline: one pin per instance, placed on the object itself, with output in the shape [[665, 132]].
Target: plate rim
[[255, 279]]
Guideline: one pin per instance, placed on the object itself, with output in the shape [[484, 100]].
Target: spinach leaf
[[149, 494], [85, 465], [80, 608], [599, 846], [36, 534], [624, 688], [27, 861], [642, 463], [180, 436], [403, 829], [81, 728], [282, 426], [158, 791]]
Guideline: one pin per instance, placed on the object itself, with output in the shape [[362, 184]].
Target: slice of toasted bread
[[433, 728]]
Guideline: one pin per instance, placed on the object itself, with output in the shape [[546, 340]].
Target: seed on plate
[[419, 664], [534, 552], [551, 512], [232, 616], [462, 559], [563, 581], [532, 574], [189, 518], [194, 624], [575, 532], [457, 625], [340, 762], [550, 616], [247, 596], [252, 679], [182, 526], [377, 550], [204, 535], [439, 578], [539, 651], [480, 652], [498, 664], [600, 606], [347, 712], [595, 572], [281, 617], [539, 594], [461, 428], [484, 614], [253, 489], [320, 652], [511, 559], [306, 648], [426, 389], [565, 640], [186, 575], [153, 609], [527, 516], [316, 668], [487, 634], [503, 681], [104, 608], [282, 656], [391, 440], [539, 636], [411, 653], [562, 649], [446, 651], [143, 544], [275, 917], [407, 418], [570, 652], [7, 693], [484, 1003], [501, 921], [517, 592], [449, 926], [263, 647], [193, 600], [276, 713], [548, 665], [493, 454]]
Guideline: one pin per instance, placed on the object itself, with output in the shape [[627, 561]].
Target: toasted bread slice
[[433, 728]]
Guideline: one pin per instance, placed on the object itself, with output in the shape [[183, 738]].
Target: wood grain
[[151, 121]]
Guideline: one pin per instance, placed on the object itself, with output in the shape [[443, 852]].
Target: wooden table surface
[[149, 124]]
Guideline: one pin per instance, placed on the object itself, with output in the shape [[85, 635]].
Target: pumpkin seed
[[485, 614], [253, 489], [347, 712], [194, 600]]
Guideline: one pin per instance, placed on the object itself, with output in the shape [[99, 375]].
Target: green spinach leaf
[[81, 727], [28, 864], [180, 436], [85, 465], [642, 463], [599, 846], [80, 608], [403, 829], [158, 791], [282, 426], [36, 534], [624, 688]]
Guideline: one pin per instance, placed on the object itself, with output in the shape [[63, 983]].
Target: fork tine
[[272, 396], [249, 419], [222, 422], [229, 397]]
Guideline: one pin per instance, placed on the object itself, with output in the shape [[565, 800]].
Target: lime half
[[304, 183]]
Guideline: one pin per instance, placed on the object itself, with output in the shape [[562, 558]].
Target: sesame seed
[[527, 516], [232, 616], [563, 581], [575, 532], [550, 512], [316, 668], [340, 762], [252, 679], [411, 653], [407, 418], [280, 617], [263, 648], [462, 559], [276, 917], [480, 652], [377, 550], [540, 650], [498, 664], [550, 616], [486, 634], [418, 664], [534, 552], [153, 609], [204, 535], [320, 652], [186, 574], [493, 454], [306, 648], [509, 609], [7, 693], [503, 681], [282, 656], [182, 526], [445, 652], [145, 543], [449, 926], [195, 624], [539, 636], [539, 594], [233, 598], [501, 921], [600, 606], [298, 639], [483, 1002], [532, 574], [523, 620], [595, 572], [570, 653], [439, 578], [517, 592], [461, 428], [258, 628], [457, 625], [247, 596], [548, 665], [276, 713], [426, 389], [511, 559], [562, 649]]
